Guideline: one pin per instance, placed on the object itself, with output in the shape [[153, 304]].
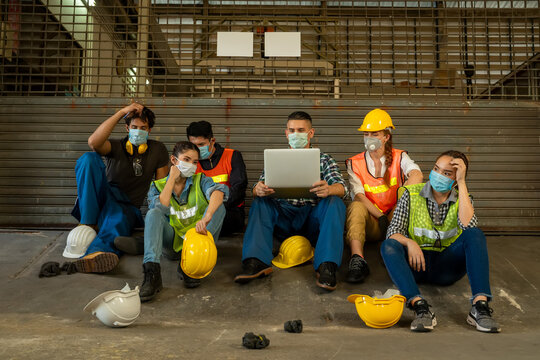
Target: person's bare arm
[[166, 193], [465, 209], [414, 177], [162, 172], [322, 189], [415, 254], [99, 140], [216, 199]]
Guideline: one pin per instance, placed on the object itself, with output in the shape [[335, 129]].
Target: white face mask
[[186, 169]]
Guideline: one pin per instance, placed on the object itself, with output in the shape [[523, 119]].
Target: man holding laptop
[[318, 213]]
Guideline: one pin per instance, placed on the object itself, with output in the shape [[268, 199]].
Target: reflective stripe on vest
[[434, 234], [184, 214], [381, 188], [224, 178], [421, 227], [221, 172], [184, 217], [381, 194]]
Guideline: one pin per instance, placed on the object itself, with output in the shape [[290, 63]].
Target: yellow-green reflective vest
[[184, 217], [421, 227]]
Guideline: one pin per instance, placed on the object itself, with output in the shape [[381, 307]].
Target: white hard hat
[[117, 308], [78, 240]]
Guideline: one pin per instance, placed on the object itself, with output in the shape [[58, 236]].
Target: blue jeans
[[158, 232], [467, 255], [322, 224], [100, 203]]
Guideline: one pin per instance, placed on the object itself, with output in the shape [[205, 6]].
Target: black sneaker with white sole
[[480, 317], [425, 320]]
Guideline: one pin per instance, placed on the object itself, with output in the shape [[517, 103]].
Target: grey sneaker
[[425, 320], [480, 316]]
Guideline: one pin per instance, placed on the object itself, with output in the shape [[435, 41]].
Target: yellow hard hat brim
[[278, 262], [367, 129], [352, 298]]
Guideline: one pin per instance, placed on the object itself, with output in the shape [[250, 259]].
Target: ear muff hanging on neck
[[141, 148]]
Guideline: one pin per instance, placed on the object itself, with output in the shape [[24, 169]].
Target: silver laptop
[[292, 172]]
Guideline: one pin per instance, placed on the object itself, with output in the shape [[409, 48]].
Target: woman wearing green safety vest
[[434, 238], [177, 203]]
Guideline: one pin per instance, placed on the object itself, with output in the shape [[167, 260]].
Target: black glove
[[252, 341], [49, 269], [293, 326], [383, 224]]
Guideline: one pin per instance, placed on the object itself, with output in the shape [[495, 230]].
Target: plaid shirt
[[437, 213], [329, 171]]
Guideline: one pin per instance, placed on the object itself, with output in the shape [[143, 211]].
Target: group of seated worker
[[429, 232]]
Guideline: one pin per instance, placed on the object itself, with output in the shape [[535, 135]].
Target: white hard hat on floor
[[78, 240], [117, 308]]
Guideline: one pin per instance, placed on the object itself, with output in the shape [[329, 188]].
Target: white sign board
[[235, 44], [282, 44]]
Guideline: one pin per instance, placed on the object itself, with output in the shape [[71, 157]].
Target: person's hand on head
[[134, 108], [321, 189], [461, 169]]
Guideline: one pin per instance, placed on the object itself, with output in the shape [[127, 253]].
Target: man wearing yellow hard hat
[[375, 176], [320, 219]]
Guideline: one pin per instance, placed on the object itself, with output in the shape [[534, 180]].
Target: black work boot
[[358, 269], [152, 283], [189, 282], [253, 268], [326, 276]]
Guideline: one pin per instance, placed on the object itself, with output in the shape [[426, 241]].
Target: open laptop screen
[[292, 172]]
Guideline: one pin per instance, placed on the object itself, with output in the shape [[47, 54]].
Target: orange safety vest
[[221, 172], [381, 194]]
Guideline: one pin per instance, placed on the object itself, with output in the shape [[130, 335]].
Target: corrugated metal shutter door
[[41, 139]]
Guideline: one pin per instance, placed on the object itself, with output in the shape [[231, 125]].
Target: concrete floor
[[43, 318]]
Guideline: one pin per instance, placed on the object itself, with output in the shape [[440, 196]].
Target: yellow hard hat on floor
[[376, 120], [293, 251], [378, 313], [199, 254]]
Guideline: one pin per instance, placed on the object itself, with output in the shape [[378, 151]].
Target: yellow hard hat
[[378, 313], [376, 120], [199, 254], [293, 251]]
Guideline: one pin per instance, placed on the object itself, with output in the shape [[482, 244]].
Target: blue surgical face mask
[[138, 137], [298, 140], [440, 182], [205, 153]]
